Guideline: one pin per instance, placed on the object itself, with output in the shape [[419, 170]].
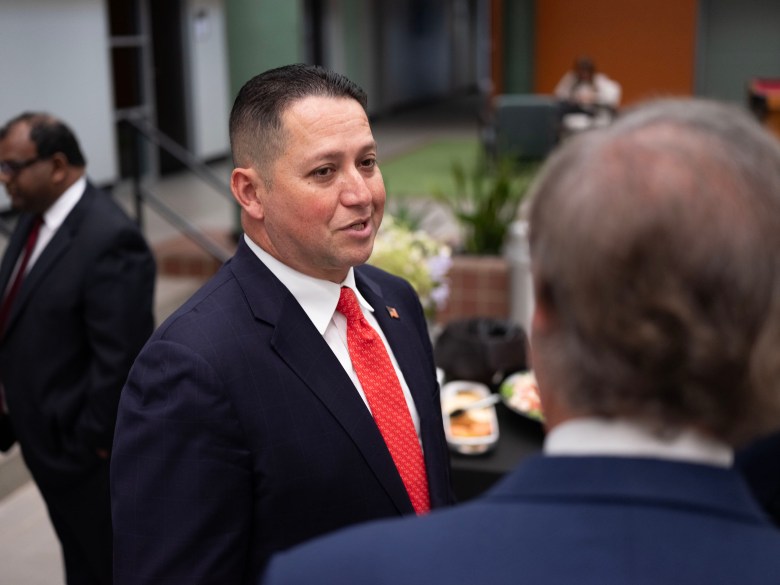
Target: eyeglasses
[[13, 167]]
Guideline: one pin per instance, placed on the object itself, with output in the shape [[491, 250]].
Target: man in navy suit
[[69, 332], [243, 429], [654, 340]]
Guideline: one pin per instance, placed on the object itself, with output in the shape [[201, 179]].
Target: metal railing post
[[142, 129]]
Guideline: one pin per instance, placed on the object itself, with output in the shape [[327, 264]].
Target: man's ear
[[60, 168], [544, 314], [248, 190]]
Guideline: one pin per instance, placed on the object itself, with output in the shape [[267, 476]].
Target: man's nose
[[355, 189]]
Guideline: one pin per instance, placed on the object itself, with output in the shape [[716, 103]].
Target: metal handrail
[[186, 227], [143, 195]]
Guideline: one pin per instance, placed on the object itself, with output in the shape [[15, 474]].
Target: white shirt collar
[[59, 210], [597, 436], [317, 297]]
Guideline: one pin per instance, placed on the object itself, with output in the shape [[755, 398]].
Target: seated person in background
[[587, 98], [654, 340]]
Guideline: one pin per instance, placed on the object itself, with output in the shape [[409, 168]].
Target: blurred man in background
[[78, 285]]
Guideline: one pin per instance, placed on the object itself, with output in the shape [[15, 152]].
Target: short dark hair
[[256, 131], [50, 136]]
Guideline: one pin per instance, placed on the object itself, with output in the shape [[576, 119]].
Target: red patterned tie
[[32, 237], [386, 399]]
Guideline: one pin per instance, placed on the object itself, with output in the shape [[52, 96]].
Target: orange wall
[[648, 46]]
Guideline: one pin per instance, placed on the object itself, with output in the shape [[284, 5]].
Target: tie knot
[[348, 305]]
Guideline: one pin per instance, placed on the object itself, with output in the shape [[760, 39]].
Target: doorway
[[148, 70]]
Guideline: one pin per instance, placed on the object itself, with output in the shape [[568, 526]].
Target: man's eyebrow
[[336, 153]]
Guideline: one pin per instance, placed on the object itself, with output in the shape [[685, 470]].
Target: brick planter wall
[[479, 287], [180, 256]]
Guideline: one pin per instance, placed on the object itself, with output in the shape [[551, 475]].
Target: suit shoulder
[[100, 222], [101, 206], [211, 308]]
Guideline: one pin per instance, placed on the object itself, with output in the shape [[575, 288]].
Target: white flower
[[417, 257]]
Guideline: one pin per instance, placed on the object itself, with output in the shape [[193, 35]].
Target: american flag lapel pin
[[392, 312]]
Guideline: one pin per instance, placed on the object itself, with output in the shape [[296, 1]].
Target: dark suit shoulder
[[100, 211], [214, 308]]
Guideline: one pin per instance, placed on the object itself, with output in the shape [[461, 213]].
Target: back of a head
[[654, 243], [256, 132], [50, 136]]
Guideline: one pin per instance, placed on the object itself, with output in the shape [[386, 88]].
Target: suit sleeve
[[118, 315], [181, 479]]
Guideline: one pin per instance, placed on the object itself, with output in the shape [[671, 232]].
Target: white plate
[[520, 393], [457, 394]]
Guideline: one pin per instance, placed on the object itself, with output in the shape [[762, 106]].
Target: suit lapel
[[403, 329], [15, 246], [303, 349], [404, 339], [56, 247]]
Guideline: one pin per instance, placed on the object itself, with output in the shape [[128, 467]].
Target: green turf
[[427, 169]]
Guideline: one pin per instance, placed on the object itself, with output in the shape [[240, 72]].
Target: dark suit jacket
[[240, 434], [759, 462], [81, 316], [563, 521]]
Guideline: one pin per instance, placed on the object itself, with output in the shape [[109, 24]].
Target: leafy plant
[[486, 199]]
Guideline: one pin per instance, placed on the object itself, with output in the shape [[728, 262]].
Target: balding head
[[653, 244]]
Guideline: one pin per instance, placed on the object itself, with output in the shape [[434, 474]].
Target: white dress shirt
[[623, 438], [318, 298], [55, 215], [52, 220]]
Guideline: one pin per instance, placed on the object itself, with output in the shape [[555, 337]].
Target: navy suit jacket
[[760, 464], [563, 521], [82, 314], [240, 434]]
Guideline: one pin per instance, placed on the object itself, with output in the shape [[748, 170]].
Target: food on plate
[[472, 423], [521, 394], [475, 431]]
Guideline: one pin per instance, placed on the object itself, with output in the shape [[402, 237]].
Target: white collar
[[317, 297], [62, 206], [598, 436]]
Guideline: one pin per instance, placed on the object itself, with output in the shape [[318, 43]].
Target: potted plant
[[485, 201], [485, 204]]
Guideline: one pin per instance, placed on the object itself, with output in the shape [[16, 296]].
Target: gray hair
[[655, 243]]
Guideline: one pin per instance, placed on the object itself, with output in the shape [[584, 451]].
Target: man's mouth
[[358, 226]]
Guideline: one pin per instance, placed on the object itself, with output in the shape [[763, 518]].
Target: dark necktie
[[13, 290], [385, 399]]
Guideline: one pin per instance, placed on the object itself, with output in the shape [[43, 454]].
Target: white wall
[[54, 56], [208, 83]]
